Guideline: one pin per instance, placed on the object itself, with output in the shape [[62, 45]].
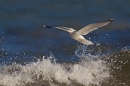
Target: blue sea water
[[24, 40]]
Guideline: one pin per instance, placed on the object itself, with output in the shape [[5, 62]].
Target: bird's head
[[71, 30]]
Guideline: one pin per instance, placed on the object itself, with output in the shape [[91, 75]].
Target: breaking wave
[[48, 72]]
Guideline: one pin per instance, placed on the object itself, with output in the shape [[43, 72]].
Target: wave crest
[[47, 72]]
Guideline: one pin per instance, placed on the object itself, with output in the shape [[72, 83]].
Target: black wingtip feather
[[111, 20], [47, 26]]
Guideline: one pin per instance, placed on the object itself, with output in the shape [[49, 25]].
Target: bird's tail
[[87, 42]]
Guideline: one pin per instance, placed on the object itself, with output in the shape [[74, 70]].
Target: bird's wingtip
[[111, 20], [47, 26]]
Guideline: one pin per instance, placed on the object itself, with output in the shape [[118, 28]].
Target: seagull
[[78, 35]]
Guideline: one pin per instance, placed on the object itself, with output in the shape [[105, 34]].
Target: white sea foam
[[48, 72], [127, 48]]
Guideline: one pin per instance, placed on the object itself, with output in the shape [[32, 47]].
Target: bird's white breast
[[75, 36]]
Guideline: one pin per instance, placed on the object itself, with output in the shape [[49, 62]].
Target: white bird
[[78, 35]]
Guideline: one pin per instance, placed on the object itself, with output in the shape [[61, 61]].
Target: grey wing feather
[[61, 27], [92, 27]]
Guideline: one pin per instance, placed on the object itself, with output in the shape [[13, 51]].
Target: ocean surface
[[31, 55]]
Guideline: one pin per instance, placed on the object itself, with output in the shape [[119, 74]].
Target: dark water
[[23, 41]]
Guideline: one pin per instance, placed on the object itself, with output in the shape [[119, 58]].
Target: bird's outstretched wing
[[58, 27], [92, 27]]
